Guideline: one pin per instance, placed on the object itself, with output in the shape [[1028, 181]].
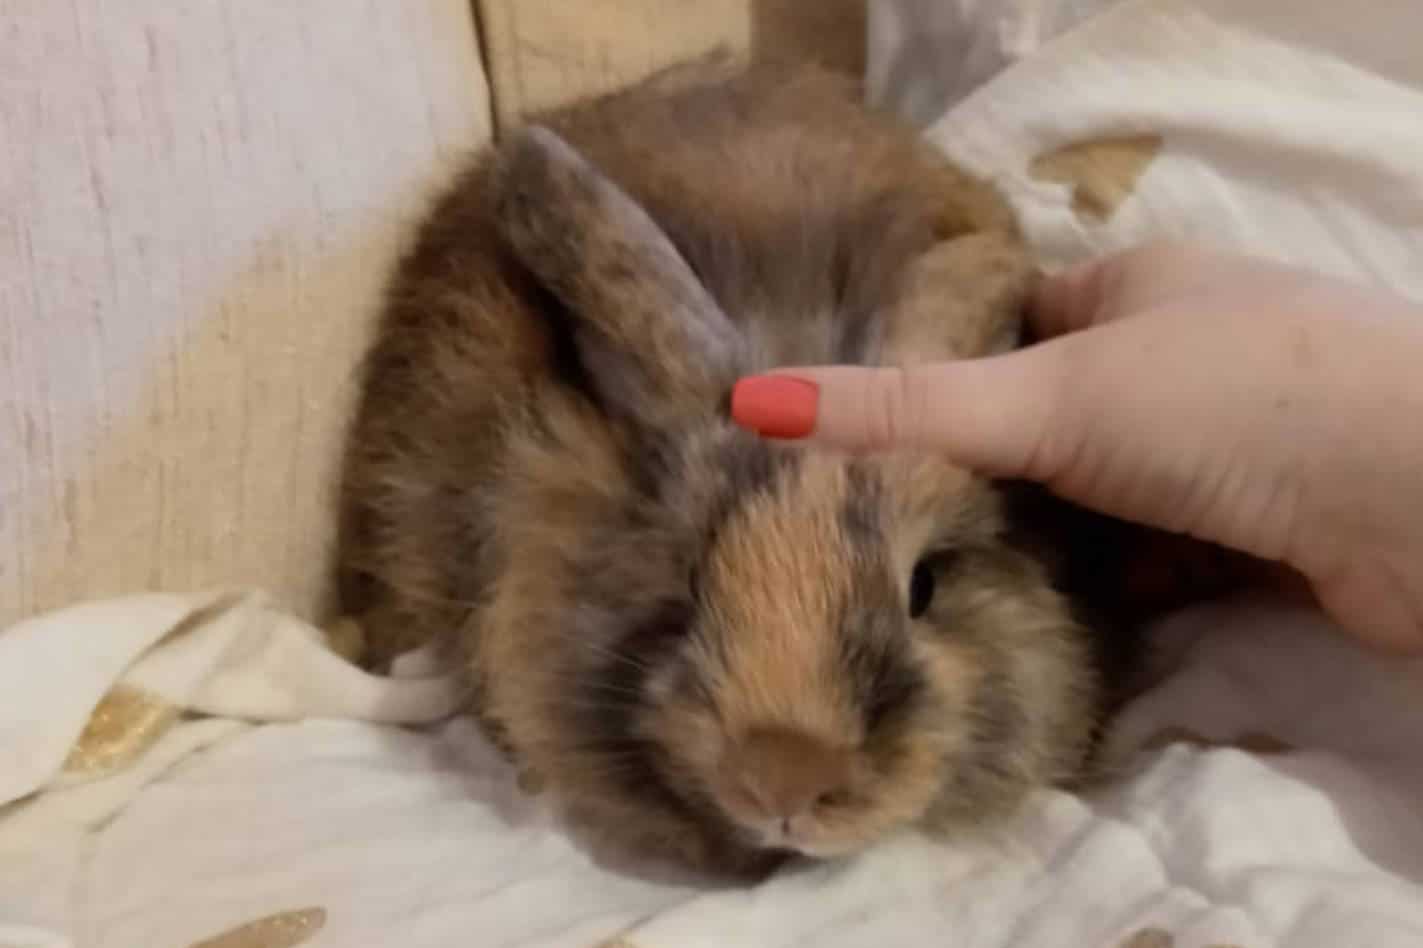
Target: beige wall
[[198, 201]]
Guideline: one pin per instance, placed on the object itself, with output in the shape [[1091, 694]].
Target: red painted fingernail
[[775, 406]]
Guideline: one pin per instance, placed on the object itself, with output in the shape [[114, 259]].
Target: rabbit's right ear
[[962, 299], [653, 341]]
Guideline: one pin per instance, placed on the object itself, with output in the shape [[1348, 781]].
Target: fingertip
[[824, 404], [776, 405]]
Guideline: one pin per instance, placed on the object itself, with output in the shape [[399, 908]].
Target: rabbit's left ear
[[654, 343]]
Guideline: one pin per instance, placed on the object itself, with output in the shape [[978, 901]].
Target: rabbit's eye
[[921, 588], [929, 572]]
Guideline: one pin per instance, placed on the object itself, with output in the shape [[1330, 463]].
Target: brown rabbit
[[710, 646]]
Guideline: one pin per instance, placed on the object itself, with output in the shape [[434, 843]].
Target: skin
[[1270, 410]]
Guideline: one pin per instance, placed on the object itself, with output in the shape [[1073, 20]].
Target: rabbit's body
[[712, 646]]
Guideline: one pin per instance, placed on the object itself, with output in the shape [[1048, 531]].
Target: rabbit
[[715, 649]]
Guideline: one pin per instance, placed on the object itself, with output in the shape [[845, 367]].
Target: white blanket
[[208, 771]]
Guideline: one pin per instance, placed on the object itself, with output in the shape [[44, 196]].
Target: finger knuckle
[[1057, 432], [897, 413], [887, 409]]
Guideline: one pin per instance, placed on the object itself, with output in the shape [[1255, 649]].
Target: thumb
[[996, 415]]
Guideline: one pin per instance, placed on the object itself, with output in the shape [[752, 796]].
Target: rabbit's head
[[788, 649]]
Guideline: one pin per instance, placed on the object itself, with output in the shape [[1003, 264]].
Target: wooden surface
[[198, 202]]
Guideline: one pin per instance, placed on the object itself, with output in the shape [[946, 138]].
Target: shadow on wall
[[830, 32], [543, 54]]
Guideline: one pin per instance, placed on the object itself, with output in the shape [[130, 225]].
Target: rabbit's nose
[[785, 773]]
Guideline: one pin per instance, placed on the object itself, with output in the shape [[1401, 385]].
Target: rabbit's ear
[[652, 340], [965, 297]]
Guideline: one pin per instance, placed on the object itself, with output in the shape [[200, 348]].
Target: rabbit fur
[[713, 648]]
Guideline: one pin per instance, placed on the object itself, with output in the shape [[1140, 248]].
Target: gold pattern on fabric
[[1102, 173], [1150, 938], [122, 726], [284, 930]]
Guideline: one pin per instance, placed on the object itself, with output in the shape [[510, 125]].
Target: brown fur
[[689, 633]]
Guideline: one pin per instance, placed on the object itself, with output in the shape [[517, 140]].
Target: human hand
[[1272, 411]]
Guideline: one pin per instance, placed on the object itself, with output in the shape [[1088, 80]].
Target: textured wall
[[198, 201]]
